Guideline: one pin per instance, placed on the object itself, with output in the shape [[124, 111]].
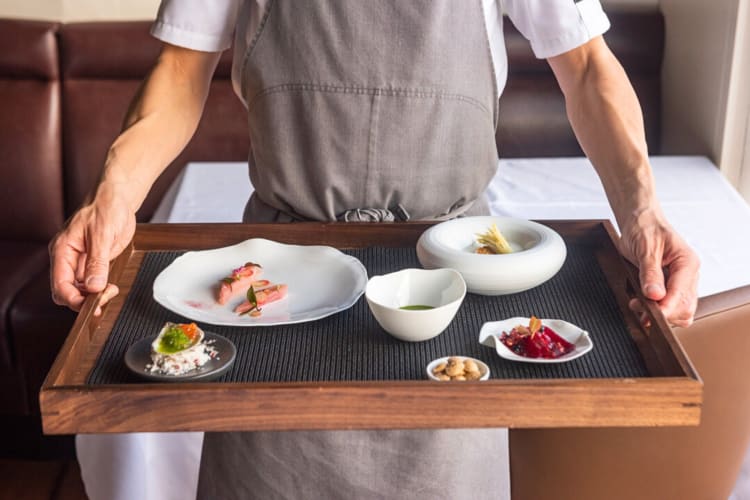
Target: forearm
[[161, 120], [606, 117]]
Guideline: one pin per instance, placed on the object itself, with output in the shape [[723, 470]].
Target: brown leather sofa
[[64, 90]]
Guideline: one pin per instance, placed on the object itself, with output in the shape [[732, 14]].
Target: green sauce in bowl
[[416, 307]]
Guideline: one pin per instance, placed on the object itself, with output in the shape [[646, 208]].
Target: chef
[[371, 110]]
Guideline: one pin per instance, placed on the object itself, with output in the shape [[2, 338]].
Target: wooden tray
[[672, 396]]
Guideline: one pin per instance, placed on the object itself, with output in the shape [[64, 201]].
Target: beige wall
[[706, 95], [79, 10], [735, 151], [696, 72], [91, 10], [606, 3]]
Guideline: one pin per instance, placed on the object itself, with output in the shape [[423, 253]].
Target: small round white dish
[[484, 370], [490, 333], [432, 296], [538, 253]]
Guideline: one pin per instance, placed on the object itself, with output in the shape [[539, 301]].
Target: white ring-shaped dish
[[538, 253]]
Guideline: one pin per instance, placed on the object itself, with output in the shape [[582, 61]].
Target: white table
[[701, 205], [698, 201]]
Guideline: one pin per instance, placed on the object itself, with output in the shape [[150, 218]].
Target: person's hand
[[668, 267], [80, 254]]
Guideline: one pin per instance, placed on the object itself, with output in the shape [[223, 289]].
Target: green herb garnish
[[253, 301], [174, 340]]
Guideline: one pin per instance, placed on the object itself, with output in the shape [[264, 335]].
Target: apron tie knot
[[392, 214]]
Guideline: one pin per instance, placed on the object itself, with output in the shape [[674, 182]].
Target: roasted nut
[[470, 366], [456, 368]]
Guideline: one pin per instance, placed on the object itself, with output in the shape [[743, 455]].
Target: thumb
[[97, 262], [652, 277]]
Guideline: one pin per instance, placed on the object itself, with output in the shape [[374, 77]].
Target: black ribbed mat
[[351, 345]]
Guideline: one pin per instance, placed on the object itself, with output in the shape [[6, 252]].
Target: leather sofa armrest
[[721, 302]]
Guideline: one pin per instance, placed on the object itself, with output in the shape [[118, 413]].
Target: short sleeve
[[205, 25], [557, 26]]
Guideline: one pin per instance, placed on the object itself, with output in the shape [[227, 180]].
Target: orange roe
[[189, 329]]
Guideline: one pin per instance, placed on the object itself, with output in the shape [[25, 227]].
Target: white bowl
[[483, 368], [538, 253], [441, 289]]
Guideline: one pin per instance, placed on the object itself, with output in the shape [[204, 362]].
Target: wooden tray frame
[[672, 396]]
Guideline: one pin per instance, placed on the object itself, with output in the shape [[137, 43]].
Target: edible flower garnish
[[240, 272]]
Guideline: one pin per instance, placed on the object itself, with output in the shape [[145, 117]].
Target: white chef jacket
[[551, 26]]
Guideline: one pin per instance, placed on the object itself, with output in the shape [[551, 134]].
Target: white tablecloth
[[701, 205], [698, 201]]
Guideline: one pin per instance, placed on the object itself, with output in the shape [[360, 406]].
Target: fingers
[[652, 276], [678, 299], [67, 276], [67, 294], [63, 261], [109, 293], [81, 253], [636, 306], [668, 272], [96, 270], [681, 299], [80, 273]]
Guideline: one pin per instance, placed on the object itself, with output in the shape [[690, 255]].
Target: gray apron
[[367, 110]]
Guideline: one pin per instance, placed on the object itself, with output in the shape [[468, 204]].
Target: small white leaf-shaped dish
[[490, 333]]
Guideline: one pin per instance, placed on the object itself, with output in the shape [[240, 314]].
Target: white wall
[[735, 152], [706, 97]]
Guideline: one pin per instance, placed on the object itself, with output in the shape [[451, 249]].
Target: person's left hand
[[668, 267]]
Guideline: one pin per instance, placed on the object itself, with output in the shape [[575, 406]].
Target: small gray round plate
[[139, 355]]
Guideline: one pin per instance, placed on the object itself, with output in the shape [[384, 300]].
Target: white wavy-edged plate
[[321, 280], [491, 331]]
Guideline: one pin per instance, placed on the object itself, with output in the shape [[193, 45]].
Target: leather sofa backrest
[[30, 150], [102, 65], [532, 119]]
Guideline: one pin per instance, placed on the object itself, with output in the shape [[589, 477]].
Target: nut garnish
[[456, 368]]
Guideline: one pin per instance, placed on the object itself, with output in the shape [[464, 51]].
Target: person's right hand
[[80, 254]]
